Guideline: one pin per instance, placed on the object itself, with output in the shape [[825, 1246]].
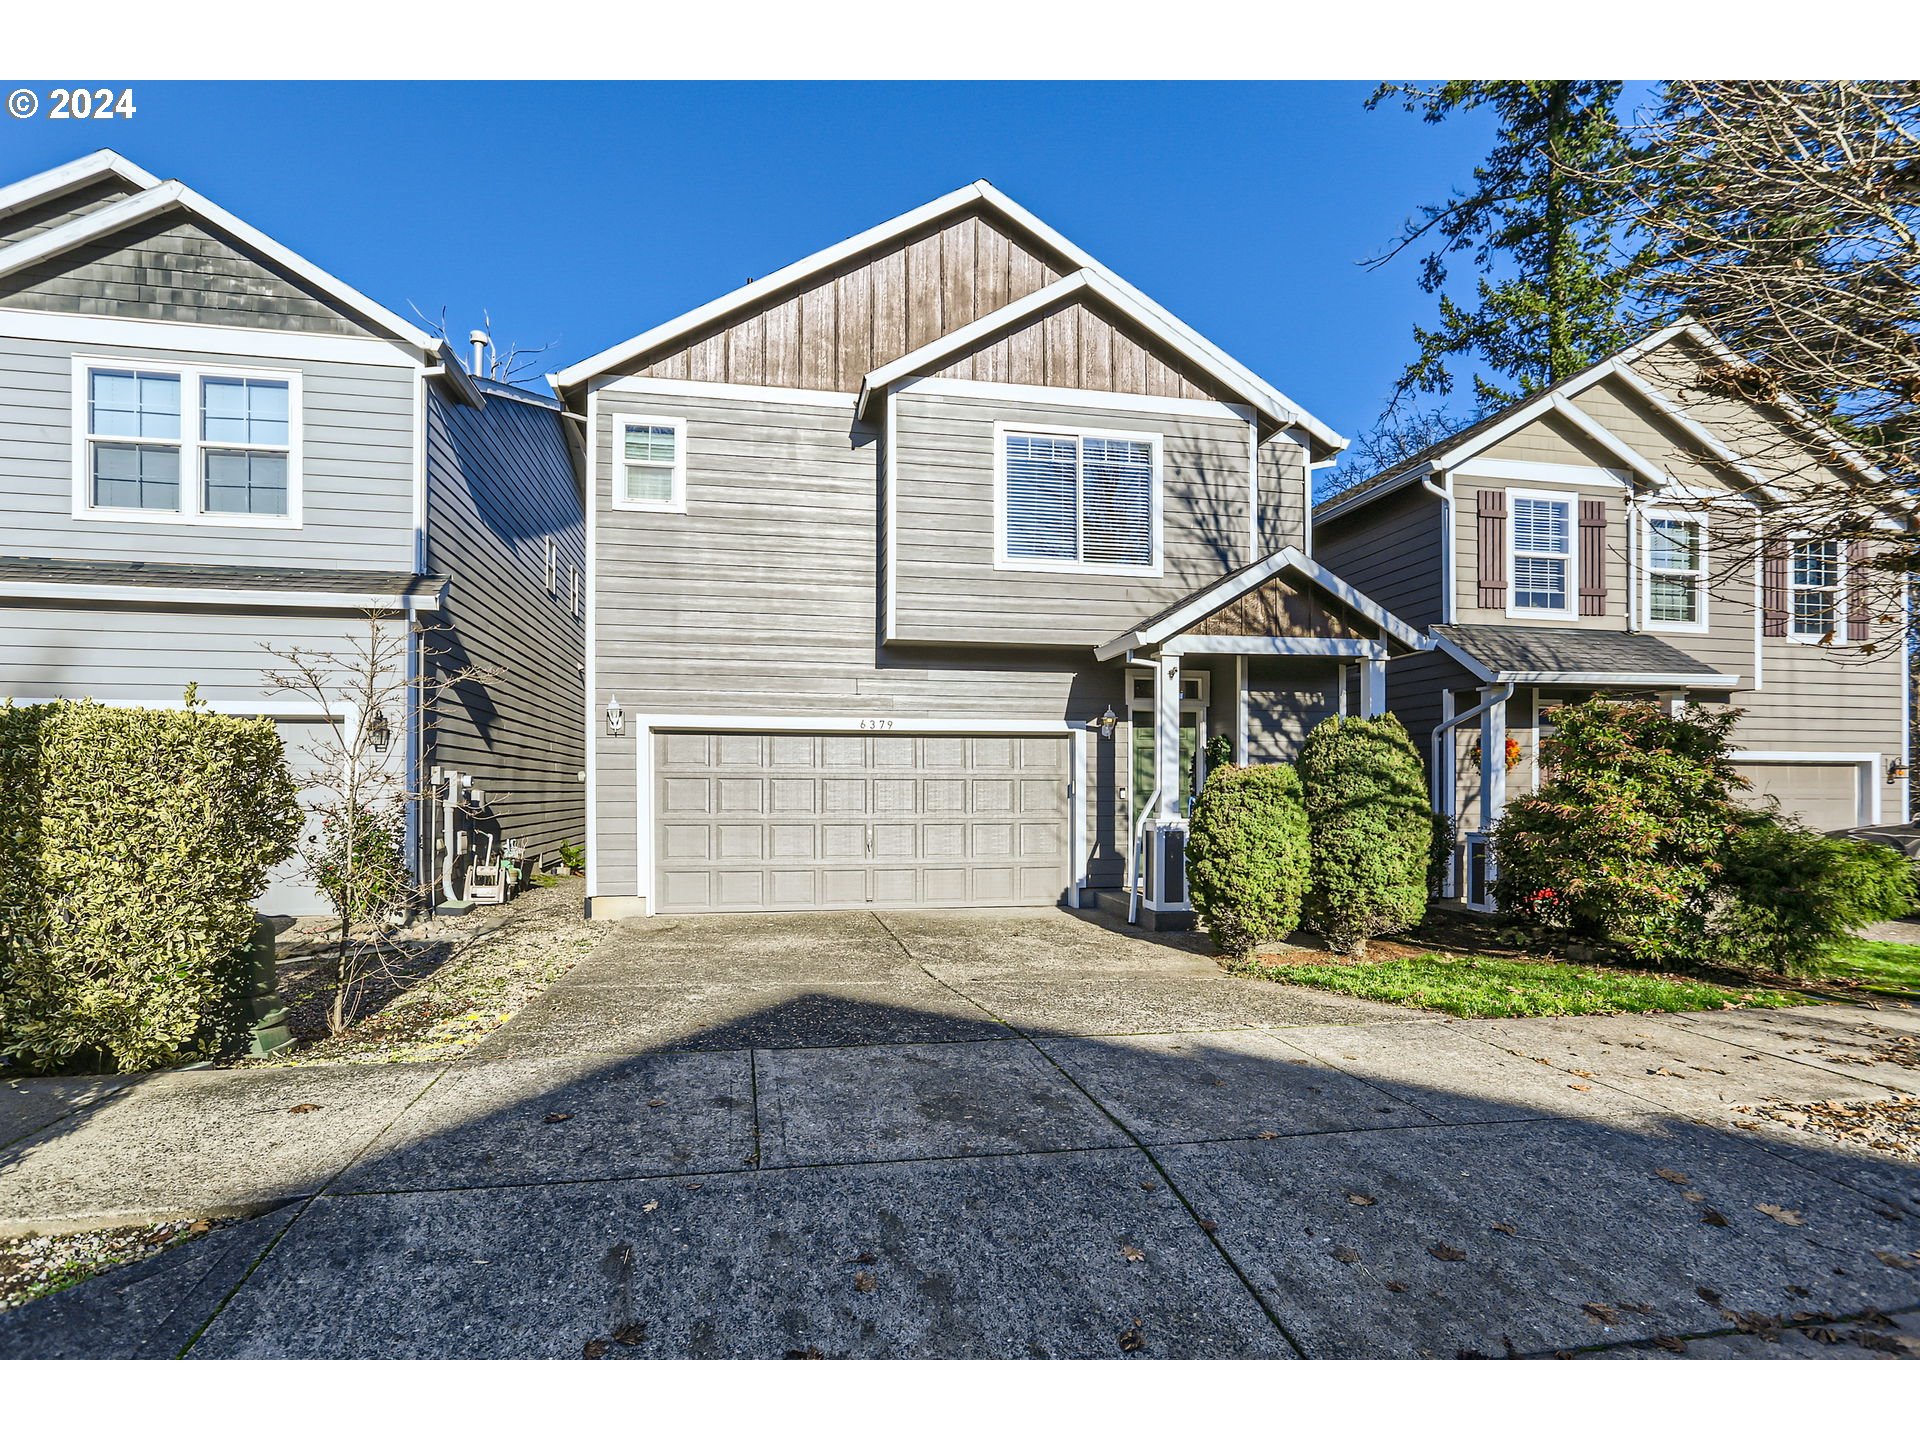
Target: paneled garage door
[[818, 822], [1825, 797]]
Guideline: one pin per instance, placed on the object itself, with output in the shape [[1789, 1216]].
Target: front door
[[1143, 757]]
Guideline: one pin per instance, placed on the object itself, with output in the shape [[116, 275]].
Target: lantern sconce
[[1105, 724], [1896, 769], [616, 718], [379, 733]]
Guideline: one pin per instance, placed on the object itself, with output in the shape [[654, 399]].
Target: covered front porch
[[1261, 655], [1514, 677]]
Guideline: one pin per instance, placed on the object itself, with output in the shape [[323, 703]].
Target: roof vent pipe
[[479, 341]]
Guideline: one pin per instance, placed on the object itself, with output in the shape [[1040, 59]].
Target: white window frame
[[676, 503], [1699, 625], [191, 444], [579, 606], [1839, 588], [1002, 561], [553, 567], [1571, 609]]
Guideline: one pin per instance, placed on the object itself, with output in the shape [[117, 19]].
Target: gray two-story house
[[1612, 535], [921, 570], [212, 453]]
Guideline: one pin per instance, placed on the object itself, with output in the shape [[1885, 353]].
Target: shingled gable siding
[[949, 590], [500, 484], [762, 600]]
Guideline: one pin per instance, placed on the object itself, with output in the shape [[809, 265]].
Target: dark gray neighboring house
[[922, 569], [209, 446]]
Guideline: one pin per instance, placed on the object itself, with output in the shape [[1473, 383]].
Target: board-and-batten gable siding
[[829, 331], [1390, 551], [500, 484], [1077, 346], [948, 588], [357, 465], [150, 654], [53, 213], [761, 600], [171, 267]]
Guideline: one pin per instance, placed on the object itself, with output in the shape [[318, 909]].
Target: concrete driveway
[[992, 1134]]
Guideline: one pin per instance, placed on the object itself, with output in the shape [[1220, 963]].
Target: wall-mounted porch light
[[616, 718], [379, 733], [1896, 769], [1104, 724]]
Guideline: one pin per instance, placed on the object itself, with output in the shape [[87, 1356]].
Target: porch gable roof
[[1184, 613], [1539, 655]]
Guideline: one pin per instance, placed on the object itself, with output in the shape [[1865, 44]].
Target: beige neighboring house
[[1600, 538]]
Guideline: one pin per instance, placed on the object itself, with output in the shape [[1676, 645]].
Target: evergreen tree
[[1541, 203]]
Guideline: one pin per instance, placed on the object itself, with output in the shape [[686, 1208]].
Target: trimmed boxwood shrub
[[1247, 855], [1785, 895], [132, 843], [1372, 828], [1623, 841]]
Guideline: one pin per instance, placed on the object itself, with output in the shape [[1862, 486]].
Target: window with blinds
[[1080, 500], [1541, 532], [650, 464]]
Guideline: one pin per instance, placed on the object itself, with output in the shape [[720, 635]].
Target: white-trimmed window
[[553, 567], [1077, 500], [1540, 535], [1815, 580], [185, 444], [1676, 573], [649, 463], [579, 599]]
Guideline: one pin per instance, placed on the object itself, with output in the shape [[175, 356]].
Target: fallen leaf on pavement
[[1601, 1314], [1712, 1297], [307, 1109], [1148, 1185], [1132, 1253], [1209, 1227], [865, 1281], [1894, 1259], [557, 1117], [865, 1257], [593, 1349], [655, 1104], [1583, 1074], [1440, 1250], [1712, 1216], [631, 1334], [1396, 1287], [1671, 1342], [812, 1352], [1694, 1195], [1354, 1199], [1672, 1177], [1268, 1135], [1780, 1213], [1133, 1338], [1347, 1255], [650, 1207], [1580, 1087], [1503, 1228]]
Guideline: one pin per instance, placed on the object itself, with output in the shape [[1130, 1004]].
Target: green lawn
[[1876, 965], [1479, 987]]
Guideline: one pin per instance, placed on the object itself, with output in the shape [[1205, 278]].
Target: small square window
[[650, 464]]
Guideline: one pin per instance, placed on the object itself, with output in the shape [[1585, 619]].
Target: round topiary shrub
[[1372, 829], [1247, 855]]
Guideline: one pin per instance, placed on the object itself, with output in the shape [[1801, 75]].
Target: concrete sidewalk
[[1001, 1134]]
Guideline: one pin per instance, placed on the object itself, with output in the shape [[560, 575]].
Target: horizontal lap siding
[[948, 589], [1466, 580], [1391, 552], [762, 600], [500, 483], [1285, 700], [1283, 496], [357, 466]]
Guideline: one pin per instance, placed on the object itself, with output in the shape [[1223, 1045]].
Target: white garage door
[[1823, 796], [820, 822]]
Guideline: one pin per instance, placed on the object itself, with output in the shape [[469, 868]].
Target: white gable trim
[[169, 194], [96, 331], [1081, 282], [74, 175], [1223, 592], [1243, 379]]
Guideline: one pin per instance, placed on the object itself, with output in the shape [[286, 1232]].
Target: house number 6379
[[876, 723]]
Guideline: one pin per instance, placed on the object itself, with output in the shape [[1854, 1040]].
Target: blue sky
[[584, 213]]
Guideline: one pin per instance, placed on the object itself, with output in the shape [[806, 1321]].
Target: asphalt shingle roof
[[1540, 649]]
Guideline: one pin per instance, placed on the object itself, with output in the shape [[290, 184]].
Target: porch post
[[1166, 736], [1239, 709], [1373, 688], [1493, 758]]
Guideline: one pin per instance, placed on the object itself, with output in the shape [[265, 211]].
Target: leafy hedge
[[132, 843], [1247, 855], [1372, 828]]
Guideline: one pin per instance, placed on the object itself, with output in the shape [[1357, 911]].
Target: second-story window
[[649, 463], [182, 443], [1541, 542], [1816, 580], [1676, 573], [1079, 501]]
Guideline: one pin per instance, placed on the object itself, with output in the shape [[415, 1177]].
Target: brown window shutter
[[1593, 557], [1857, 591], [1773, 588], [1492, 516]]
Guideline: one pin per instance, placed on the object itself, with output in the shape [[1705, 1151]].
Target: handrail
[[1133, 857]]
